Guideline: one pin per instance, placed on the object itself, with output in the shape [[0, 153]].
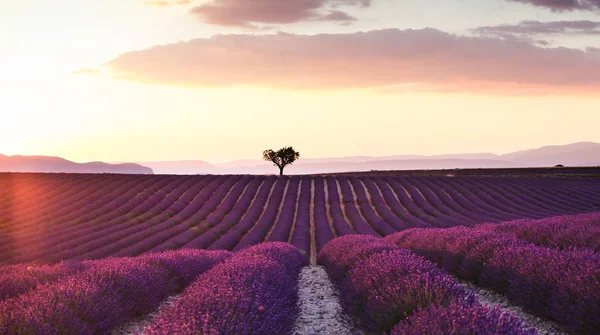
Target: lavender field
[[100, 254]]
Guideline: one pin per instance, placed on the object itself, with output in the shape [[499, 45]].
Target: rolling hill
[[570, 155], [18, 163]]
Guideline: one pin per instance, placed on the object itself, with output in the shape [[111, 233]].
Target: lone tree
[[282, 157]]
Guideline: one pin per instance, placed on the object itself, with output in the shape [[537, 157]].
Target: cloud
[[564, 5], [582, 27], [167, 3], [379, 58], [86, 71], [249, 13], [339, 16]]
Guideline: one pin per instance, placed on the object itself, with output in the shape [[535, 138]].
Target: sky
[[220, 80]]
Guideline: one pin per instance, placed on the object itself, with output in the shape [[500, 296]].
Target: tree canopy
[[282, 157]]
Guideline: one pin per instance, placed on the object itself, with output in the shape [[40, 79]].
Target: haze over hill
[[18, 163], [576, 154]]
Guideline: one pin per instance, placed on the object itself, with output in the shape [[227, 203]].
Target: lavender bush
[[107, 294], [561, 285], [458, 319], [254, 292]]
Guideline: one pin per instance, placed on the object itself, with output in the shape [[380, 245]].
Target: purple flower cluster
[[105, 295], [562, 232], [21, 278], [382, 285], [562, 285], [457, 319], [339, 255], [254, 292]]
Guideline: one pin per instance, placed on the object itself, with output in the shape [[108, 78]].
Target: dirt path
[[136, 326], [492, 299], [320, 310]]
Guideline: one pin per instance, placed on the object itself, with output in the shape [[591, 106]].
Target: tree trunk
[[281, 171]]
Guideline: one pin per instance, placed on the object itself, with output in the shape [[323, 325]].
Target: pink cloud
[[427, 57], [581, 27], [248, 13], [564, 5]]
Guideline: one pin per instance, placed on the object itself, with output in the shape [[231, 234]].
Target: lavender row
[[562, 232], [444, 213], [120, 216], [558, 285], [300, 236], [323, 232], [285, 221], [396, 206], [254, 292], [25, 191], [459, 193], [381, 226], [147, 239], [440, 198], [214, 210], [219, 228], [93, 234], [458, 319], [59, 213], [232, 237], [119, 236], [260, 230], [357, 221], [384, 211], [407, 202], [107, 294], [22, 278], [340, 224], [387, 288], [58, 241]]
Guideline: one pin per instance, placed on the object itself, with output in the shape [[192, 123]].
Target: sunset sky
[[219, 80]]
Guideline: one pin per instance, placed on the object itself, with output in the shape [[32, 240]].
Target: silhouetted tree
[[282, 157]]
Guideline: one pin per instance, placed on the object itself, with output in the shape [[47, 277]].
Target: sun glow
[[47, 110]]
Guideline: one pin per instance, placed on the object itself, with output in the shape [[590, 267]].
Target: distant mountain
[[181, 167], [576, 154], [20, 163]]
